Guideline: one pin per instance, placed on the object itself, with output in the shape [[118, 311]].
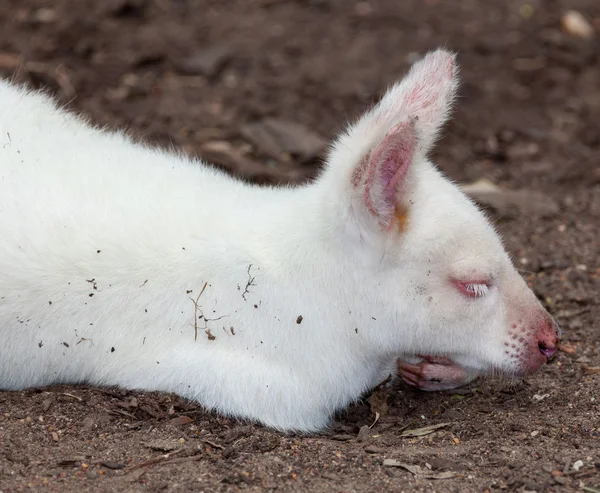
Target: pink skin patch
[[528, 347], [531, 344], [433, 374]]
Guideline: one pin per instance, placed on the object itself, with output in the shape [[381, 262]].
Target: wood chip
[[109, 464], [124, 7], [426, 430], [163, 445], [45, 16], [212, 444], [88, 424], [418, 470], [279, 137], [364, 433], [511, 203], [208, 62], [567, 347], [134, 476], [46, 404], [342, 438], [168, 459], [9, 61], [157, 460], [440, 464], [180, 421], [69, 463]]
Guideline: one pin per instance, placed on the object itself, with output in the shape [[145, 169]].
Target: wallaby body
[[122, 265]]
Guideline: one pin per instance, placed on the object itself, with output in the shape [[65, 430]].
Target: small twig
[[180, 460], [213, 445], [62, 79], [196, 311], [249, 283], [120, 412], [71, 395], [573, 313], [375, 422], [85, 339], [156, 460], [381, 384], [407, 426]]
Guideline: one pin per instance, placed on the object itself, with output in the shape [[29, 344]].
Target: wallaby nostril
[[545, 350]]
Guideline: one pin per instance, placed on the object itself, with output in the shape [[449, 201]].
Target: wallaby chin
[[123, 265]]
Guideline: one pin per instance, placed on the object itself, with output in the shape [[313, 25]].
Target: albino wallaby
[[130, 266]]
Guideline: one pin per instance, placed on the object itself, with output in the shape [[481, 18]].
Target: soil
[[196, 74]]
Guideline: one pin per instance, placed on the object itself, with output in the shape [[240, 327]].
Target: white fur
[[87, 212]]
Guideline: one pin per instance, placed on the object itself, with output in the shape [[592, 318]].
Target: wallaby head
[[436, 259]]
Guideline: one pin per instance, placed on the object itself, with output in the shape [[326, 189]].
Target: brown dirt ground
[[527, 119]]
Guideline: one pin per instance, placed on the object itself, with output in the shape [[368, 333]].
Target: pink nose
[[548, 337]]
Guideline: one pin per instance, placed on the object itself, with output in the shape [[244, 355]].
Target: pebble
[[547, 468], [575, 24]]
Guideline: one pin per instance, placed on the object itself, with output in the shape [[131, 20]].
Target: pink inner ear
[[395, 166], [387, 168]]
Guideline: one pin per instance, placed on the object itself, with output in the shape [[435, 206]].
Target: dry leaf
[[181, 420], [378, 401], [419, 471]]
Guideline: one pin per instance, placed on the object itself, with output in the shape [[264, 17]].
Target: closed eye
[[473, 289]]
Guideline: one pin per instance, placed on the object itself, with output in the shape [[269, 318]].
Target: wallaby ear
[[382, 172], [376, 154], [425, 94]]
